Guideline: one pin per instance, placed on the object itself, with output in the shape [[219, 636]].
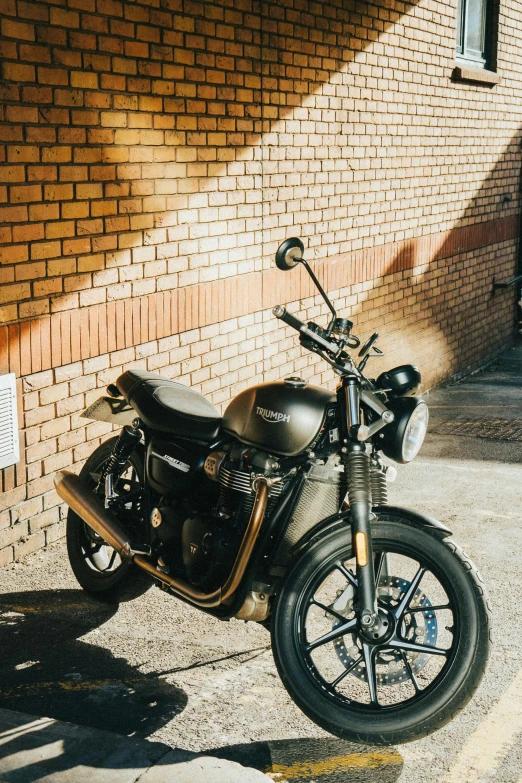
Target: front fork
[[360, 496]]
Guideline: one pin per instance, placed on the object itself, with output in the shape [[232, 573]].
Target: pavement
[[157, 691], [44, 749]]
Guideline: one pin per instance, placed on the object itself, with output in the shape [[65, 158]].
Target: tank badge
[[272, 416], [176, 463]]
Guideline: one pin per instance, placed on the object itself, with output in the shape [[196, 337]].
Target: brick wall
[[153, 155]]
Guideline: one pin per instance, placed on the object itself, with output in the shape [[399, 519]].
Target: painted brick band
[[52, 341]]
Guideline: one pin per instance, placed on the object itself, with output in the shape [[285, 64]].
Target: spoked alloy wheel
[[98, 567], [427, 666], [98, 555]]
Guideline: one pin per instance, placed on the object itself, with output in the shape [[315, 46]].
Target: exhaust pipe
[[86, 505]]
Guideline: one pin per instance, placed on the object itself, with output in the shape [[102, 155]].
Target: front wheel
[[429, 664]]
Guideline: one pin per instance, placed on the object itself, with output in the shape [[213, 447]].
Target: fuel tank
[[282, 417]]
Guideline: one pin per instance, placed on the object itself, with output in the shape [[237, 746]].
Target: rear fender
[[112, 410], [413, 518]]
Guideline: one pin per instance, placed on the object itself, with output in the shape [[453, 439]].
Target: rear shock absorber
[[128, 439]]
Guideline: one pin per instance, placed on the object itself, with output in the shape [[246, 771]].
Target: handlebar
[[280, 312]]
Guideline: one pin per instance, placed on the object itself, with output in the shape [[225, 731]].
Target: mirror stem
[[323, 294]]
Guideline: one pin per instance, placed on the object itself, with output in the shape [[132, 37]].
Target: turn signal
[[360, 549]]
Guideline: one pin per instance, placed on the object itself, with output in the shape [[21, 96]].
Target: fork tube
[[353, 404], [359, 491], [360, 508]]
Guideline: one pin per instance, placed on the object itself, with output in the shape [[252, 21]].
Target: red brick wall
[[153, 155]]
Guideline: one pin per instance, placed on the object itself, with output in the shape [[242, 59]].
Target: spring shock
[[359, 477], [128, 438], [379, 484]]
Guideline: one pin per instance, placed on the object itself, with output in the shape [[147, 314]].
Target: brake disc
[[418, 627]]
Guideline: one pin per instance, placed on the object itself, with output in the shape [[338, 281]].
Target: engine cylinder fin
[[241, 481], [238, 480]]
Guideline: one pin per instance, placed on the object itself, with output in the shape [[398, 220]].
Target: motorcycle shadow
[[47, 668]]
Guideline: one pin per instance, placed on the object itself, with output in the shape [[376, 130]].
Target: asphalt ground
[[158, 669]]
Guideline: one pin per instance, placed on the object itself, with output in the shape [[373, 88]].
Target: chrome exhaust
[[85, 503]]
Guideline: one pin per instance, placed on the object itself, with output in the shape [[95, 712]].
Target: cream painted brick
[[12, 535], [68, 372], [43, 520], [70, 405], [147, 349], [39, 380], [39, 415], [154, 363], [6, 555], [28, 545], [55, 532], [96, 364], [53, 393], [82, 384]]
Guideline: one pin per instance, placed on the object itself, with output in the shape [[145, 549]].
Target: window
[[474, 32]]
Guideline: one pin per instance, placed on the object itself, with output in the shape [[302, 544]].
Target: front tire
[[415, 692], [98, 569]]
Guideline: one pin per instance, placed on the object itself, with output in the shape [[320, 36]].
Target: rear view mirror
[[289, 254]]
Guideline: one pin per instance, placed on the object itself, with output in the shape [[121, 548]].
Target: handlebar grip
[[280, 312], [304, 329]]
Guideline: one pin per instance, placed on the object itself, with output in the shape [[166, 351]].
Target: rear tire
[[429, 708], [125, 582]]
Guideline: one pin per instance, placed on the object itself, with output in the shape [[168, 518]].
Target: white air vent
[[9, 443]]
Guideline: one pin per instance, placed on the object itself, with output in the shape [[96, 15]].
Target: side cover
[[173, 464]]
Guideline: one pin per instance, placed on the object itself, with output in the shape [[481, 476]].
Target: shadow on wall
[[439, 308], [431, 297]]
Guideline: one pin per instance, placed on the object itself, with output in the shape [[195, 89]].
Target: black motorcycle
[[277, 512]]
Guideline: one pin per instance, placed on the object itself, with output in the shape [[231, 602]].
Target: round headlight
[[415, 432], [401, 440]]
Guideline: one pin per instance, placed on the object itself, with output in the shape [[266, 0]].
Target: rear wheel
[[426, 669], [98, 568]]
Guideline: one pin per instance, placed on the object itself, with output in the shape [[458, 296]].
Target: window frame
[[468, 56]]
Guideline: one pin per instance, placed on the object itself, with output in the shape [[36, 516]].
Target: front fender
[[414, 518]]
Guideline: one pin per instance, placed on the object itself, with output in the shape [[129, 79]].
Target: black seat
[[168, 406]]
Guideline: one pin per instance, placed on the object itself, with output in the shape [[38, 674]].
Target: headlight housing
[[403, 381], [402, 439]]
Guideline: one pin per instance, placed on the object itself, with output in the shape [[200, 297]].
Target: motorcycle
[[277, 513]]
